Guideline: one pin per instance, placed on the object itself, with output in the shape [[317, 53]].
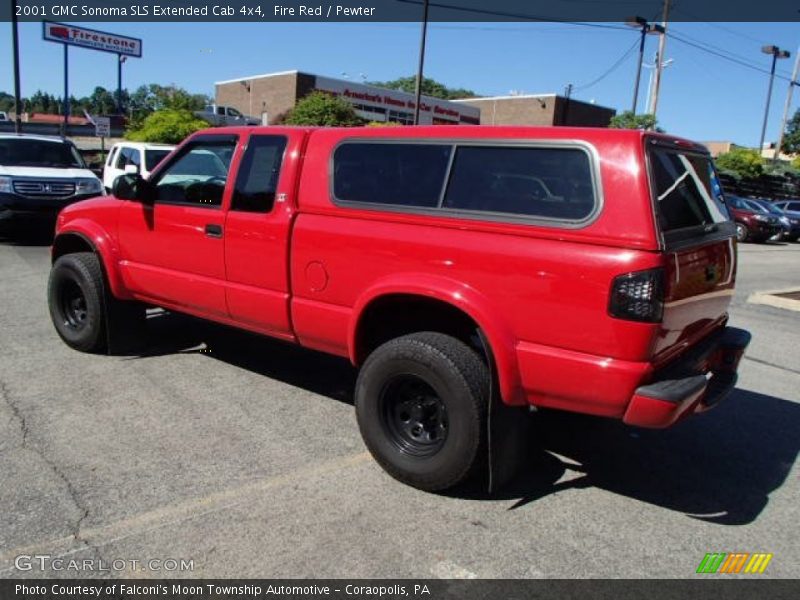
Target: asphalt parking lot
[[242, 455]]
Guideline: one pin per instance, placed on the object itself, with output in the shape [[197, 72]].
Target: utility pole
[[15, 44], [420, 66], [662, 44], [787, 106], [776, 54], [567, 96]]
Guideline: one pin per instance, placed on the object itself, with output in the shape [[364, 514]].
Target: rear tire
[[75, 297], [421, 403]]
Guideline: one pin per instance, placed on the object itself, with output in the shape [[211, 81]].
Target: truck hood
[[45, 172]]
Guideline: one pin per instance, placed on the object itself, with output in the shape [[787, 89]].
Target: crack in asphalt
[[6, 395]]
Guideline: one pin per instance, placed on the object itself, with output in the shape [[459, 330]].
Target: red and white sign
[[376, 103], [92, 39]]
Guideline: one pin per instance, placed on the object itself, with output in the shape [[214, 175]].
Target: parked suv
[[752, 224], [40, 175], [133, 157], [468, 274]]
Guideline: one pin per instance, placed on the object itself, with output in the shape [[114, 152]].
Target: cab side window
[[258, 174], [197, 176]]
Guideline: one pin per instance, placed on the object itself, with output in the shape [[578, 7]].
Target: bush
[[323, 110], [743, 162], [166, 126], [628, 120]]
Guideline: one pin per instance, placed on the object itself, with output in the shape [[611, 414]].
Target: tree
[[791, 138], [628, 120], [150, 98], [430, 87], [167, 126], [742, 162], [321, 109]]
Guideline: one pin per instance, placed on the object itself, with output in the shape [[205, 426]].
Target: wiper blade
[[710, 228]]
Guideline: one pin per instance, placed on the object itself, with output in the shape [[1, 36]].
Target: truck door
[[257, 231], [172, 249]]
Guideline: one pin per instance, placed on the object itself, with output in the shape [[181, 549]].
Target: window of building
[[399, 116], [258, 174]]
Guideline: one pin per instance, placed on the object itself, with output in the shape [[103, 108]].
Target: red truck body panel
[[309, 270]]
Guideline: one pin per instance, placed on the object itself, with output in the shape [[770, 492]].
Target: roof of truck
[[478, 131]]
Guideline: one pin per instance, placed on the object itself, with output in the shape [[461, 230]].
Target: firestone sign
[[91, 39]]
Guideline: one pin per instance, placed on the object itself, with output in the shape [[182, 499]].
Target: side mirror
[[132, 187], [131, 169]]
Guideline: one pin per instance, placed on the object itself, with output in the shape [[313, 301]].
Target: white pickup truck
[[220, 116], [40, 175]]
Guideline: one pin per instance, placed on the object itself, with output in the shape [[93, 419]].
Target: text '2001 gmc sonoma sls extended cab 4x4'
[[464, 271]]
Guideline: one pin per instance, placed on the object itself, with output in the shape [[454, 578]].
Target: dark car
[[751, 224], [789, 223]]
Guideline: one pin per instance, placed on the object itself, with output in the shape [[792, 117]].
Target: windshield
[[153, 157], [770, 208], [688, 193], [21, 152]]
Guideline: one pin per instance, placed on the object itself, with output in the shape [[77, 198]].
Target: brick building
[[271, 95], [540, 109]]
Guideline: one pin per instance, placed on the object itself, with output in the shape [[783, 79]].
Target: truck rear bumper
[[633, 391], [696, 382]]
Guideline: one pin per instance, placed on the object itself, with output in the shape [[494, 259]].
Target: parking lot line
[[179, 512]]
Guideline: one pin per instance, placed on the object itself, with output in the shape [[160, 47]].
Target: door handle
[[213, 230]]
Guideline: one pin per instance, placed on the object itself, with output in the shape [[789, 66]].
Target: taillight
[[638, 296]]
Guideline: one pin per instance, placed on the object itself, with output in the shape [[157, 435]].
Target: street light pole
[[15, 44], [659, 72], [776, 54], [787, 106], [418, 91], [641, 22]]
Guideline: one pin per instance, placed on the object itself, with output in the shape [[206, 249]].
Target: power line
[[724, 56], [610, 70], [707, 45], [511, 15]]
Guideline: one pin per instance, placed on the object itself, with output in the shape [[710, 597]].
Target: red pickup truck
[[464, 271]]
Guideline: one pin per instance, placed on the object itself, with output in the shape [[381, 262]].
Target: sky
[[704, 97]]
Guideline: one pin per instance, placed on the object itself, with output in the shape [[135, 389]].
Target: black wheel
[[741, 232], [421, 403], [76, 301]]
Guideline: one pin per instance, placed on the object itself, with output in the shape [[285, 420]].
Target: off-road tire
[[76, 299], [458, 377]]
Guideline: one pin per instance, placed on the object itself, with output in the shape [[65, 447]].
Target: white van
[[133, 157]]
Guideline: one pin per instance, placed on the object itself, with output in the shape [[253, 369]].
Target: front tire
[[76, 301], [421, 404], [741, 232]]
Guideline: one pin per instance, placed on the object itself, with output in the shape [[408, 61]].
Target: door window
[[258, 174], [197, 176]]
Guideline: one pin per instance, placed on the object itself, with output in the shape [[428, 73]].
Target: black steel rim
[[414, 416], [73, 305]]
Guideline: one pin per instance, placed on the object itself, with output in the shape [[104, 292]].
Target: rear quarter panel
[[525, 284]]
